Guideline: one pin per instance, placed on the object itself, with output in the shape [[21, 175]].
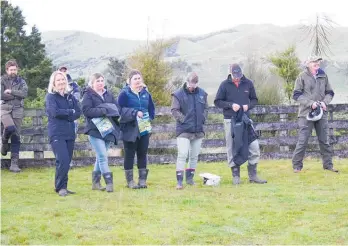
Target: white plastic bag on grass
[[210, 179]]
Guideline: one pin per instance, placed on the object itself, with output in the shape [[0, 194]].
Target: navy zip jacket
[[228, 93], [130, 103], [61, 115], [93, 107]]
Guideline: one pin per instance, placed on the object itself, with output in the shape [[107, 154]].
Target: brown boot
[[14, 163]]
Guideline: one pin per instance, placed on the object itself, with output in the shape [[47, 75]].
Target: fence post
[[331, 117], [39, 137], [283, 133]]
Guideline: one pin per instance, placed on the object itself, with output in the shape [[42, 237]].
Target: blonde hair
[[51, 87], [94, 77]]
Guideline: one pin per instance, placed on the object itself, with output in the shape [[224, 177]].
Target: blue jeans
[[101, 151]]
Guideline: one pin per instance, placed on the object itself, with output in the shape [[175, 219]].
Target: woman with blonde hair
[[62, 110], [100, 109]]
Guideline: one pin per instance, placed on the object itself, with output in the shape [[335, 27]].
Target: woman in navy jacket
[[136, 105], [62, 109], [98, 103]]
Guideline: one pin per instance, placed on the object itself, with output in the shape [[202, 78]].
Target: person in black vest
[[189, 108], [137, 111], [234, 94], [99, 104], [62, 109]]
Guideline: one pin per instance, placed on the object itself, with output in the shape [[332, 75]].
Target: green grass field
[[306, 208]]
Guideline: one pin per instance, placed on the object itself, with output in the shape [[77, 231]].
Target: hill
[[209, 55]]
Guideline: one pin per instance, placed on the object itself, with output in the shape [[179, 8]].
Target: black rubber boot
[[109, 182], [190, 173], [5, 146], [235, 175], [96, 176], [180, 179], [14, 163], [130, 181], [253, 178], [143, 172]]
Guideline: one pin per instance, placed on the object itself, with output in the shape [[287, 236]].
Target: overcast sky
[[129, 19]]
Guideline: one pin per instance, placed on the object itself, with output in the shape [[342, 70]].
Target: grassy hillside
[[209, 55]]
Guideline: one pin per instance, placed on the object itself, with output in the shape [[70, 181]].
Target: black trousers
[[140, 147], [63, 151]]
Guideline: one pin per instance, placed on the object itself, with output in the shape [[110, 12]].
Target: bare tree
[[319, 33]]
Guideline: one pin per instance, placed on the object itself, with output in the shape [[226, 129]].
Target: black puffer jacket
[[92, 107]]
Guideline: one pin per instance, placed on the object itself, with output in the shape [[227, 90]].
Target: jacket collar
[[320, 73], [187, 90], [15, 80], [90, 90], [129, 89], [242, 80], [66, 95]]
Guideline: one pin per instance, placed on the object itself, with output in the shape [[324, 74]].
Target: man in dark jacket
[[238, 92], [312, 86], [13, 91], [189, 108]]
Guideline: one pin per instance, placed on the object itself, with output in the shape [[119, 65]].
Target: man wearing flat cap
[[312, 90], [237, 95]]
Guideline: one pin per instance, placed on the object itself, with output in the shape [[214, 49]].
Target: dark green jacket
[[15, 101], [309, 89]]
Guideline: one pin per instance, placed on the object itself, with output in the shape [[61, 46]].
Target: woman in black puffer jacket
[[100, 109]]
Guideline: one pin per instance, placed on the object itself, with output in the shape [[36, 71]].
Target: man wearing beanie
[[237, 95]]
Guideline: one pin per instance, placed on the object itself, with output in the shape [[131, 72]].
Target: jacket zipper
[[195, 108], [139, 100]]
